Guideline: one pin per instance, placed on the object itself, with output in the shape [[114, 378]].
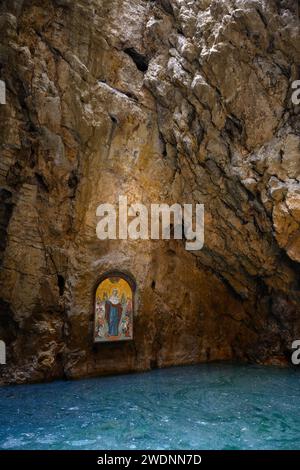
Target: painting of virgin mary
[[113, 310]]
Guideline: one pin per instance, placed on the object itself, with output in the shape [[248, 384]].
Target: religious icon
[[113, 310]]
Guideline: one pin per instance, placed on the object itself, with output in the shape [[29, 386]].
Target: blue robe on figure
[[113, 313]]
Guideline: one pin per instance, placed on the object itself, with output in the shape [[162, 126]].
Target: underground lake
[[210, 406]]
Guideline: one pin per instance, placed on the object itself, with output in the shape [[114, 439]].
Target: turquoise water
[[197, 407]]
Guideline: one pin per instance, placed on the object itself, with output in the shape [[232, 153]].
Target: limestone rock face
[[162, 101]]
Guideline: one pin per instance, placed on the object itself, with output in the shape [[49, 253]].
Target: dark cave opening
[[139, 59], [61, 284]]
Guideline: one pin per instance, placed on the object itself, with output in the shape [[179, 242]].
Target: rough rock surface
[[162, 101]]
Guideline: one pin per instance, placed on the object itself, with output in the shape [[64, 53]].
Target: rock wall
[[163, 101]]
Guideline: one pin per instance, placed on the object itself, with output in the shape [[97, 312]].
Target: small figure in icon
[[113, 313]]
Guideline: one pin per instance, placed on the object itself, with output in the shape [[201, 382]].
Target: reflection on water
[[197, 407]]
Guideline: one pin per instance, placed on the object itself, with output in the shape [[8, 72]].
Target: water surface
[[198, 407]]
